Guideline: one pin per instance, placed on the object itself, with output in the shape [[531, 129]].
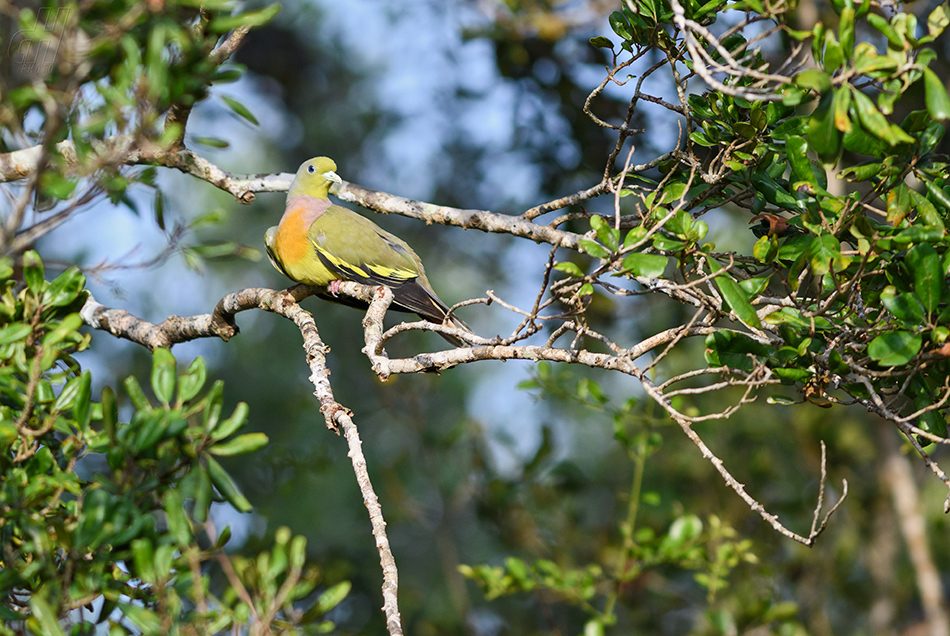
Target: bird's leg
[[335, 286]]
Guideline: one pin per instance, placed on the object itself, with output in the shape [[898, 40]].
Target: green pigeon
[[322, 244]]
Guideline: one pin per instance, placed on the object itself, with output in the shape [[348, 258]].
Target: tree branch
[[126, 150], [220, 323]]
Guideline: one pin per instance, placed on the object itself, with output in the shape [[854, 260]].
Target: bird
[[322, 244]]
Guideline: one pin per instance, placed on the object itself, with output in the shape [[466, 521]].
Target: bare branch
[[731, 481]]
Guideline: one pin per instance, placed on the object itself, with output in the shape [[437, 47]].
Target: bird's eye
[[311, 169]]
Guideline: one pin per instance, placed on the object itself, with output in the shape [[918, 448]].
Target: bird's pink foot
[[335, 286]]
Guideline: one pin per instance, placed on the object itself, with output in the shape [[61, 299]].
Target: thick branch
[[339, 417], [176, 329]]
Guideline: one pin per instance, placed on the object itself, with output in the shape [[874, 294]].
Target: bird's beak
[[333, 177]]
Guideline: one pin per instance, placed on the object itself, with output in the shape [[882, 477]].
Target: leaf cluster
[[86, 488], [843, 293]]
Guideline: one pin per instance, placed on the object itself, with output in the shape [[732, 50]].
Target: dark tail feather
[[411, 296]]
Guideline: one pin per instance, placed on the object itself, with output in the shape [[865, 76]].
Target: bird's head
[[314, 178]]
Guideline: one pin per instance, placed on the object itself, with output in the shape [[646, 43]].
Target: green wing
[[357, 249]]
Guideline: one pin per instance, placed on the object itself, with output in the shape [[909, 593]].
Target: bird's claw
[[335, 287]]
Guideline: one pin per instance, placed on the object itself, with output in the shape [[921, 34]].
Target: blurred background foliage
[[511, 491]]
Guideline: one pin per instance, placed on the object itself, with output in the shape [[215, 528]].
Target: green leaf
[[145, 619], [45, 616], [226, 486], [774, 192], [233, 423], [645, 265], [673, 192], [765, 249], [134, 390], [143, 559], [796, 151], [935, 94], [620, 25], [211, 142], [55, 185], [666, 244], [833, 55], [898, 204], [191, 382], [33, 271], [938, 20], [905, 307], [842, 117], [819, 81], [926, 210], [874, 122], [754, 286], [846, 30], [823, 136], [222, 24], [593, 248], [605, 232], [685, 528], [938, 194], [240, 109], [701, 139], [895, 348], [697, 230], [65, 288], [881, 24], [918, 234], [868, 62], [247, 443], [178, 528], [229, 74], [862, 172], [924, 263], [198, 486], [734, 295], [732, 349], [110, 412], [332, 597], [793, 317], [213, 404], [75, 395], [824, 254], [930, 421], [163, 375], [569, 268], [14, 332], [601, 42], [634, 236]]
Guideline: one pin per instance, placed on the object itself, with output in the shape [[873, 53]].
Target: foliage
[[111, 515], [91, 83], [709, 553], [843, 294], [859, 267]]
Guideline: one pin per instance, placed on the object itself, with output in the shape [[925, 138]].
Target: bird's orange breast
[[294, 250], [291, 241]]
